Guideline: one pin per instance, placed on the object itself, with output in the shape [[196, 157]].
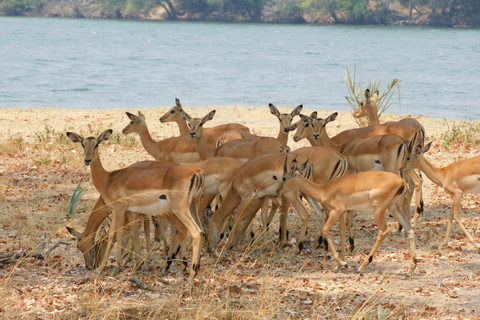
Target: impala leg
[[351, 239], [395, 210], [382, 234], [276, 204], [418, 182], [457, 200], [160, 225], [342, 231], [294, 198], [334, 215], [283, 232]]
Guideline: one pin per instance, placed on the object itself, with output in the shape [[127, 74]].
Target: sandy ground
[[445, 286]]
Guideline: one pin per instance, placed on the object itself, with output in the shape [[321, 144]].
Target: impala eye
[[173, 111], [307, 125]]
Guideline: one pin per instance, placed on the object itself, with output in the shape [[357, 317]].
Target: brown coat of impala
[[211, 134], [173, 191], [243, 150], [456, 179], [177, 149], [377, 190]]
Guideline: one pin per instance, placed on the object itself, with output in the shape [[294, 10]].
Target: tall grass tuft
[[355, 94], [77, 194]]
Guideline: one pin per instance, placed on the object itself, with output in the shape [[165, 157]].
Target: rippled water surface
[[115, 63]]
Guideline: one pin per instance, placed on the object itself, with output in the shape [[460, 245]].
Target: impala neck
[[436, 174], [204, 150], [372, 115], [100, 176], [183, 127], [309, 188], [148, 143], [327, 142]]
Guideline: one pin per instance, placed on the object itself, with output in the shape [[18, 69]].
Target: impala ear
[[367, 94], [313, 115], [296, 111], [209, 116], [178, 104], [375, 95], [75, 233], [274, 110], [185, 116], [141, 115], [75, 137], [303, 167], [331, 117], [105, 135], [427, 147], [305, 118], [130, 115]]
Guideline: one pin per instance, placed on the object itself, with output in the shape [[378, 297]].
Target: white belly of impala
[[161, 206]]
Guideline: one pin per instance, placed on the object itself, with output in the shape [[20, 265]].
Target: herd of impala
[[213, 179]]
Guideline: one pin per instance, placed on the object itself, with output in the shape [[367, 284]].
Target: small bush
[[466, 134]]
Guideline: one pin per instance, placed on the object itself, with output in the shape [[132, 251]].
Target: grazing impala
[[211, 134], [456, 179], [377, 190], [254, 180], [169, 190]]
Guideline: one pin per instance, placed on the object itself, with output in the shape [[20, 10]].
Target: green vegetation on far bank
[[453, 13]]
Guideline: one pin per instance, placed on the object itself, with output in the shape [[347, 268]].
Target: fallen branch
[[142, 285], [56, 245]]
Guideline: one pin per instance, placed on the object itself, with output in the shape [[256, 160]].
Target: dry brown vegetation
[[40, 168]]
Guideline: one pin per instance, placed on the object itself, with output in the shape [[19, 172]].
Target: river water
[[82, 63]]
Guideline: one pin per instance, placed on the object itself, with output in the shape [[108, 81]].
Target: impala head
[[90, 144], [137, 123], [174, 114], [367, 103], [304, 127], [293, 171], [285, 118], [415, 153], [91, 254], [196, 124], [319, 125]]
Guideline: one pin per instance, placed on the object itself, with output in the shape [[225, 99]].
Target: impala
[[368, 108], [177, 149], [242, 150], [285, 120], [172, 191], [211, 134], [456, 179], [377, 190]]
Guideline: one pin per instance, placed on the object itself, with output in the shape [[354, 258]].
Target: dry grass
[[40, 168]]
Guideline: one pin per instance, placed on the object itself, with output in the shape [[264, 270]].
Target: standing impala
[[456, 179], [242, 150], [172, 191], [177, 149], [368, 108], [377, 190], [211, 134], [285, 120]]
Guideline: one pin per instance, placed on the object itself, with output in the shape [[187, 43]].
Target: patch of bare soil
[[40, 168]]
